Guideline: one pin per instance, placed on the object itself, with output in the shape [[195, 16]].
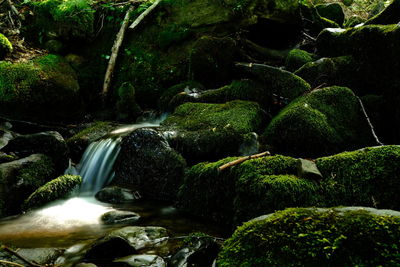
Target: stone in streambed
[[120, 217], [143, 260], [116, 195]]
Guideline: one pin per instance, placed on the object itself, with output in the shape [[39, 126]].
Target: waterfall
[[97, 164]]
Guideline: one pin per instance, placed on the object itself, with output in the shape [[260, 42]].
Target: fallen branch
[[238, 161], [11, 263], [114, 54], [369, 123], [16, 254], [144, 14]]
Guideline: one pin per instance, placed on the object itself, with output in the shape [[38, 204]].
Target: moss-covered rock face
[[53, 190], [5, 46], [68, 20], [246, 190], [20, 178], [245, 89], [313, 21], [44, 89], [331, 11], [323, 122], [367, 177], [280, 82], [316, 237], [390, 15], [200, 131], [297, 58]]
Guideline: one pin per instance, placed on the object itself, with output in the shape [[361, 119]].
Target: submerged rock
[[143, 260], [116, 195], [314, 236], [53, 190], [20, 178], [323, 122], [211, 131], [147, 163], [120, 217]]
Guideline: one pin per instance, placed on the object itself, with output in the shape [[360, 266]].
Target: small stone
[[308, 169], [120, 217]]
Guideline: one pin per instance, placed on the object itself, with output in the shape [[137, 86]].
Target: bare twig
[[238, 161], [128, 2], [114, 54], [11, 263], [369, 123], [144, 14]]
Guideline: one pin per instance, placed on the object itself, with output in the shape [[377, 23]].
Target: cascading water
[[96, 166]]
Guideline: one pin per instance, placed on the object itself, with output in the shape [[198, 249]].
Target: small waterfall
[[97, 164]]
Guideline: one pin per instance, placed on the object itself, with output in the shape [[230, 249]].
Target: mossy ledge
[[316, 237]]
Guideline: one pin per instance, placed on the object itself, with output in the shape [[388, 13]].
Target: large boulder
[[323, 122], [20, 178], [53, 190], [347, 236], [49, 143], [43, 89], [202, 131], [366, 177], [146, 162], [244, 191]]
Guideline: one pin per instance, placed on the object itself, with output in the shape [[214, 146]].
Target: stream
[[64, 223]]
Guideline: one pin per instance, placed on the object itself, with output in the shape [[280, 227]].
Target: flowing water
[[66, 222]]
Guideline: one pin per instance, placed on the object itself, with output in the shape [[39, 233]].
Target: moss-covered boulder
[[323, 122], [297, 58], [390, 15], [53, 190], [279, 82], [313, 21], [314, 237], [5, 46], [367, 177], [147, 163], [67, 20], [331, 11], [200, 131], [127, 107], [244, 191], [44, 89], [245, 89], [20, 178]]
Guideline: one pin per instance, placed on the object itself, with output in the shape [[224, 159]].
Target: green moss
[[314, 21], [331, 11], [315, 237], [67, 19], [52, 190], [322, 122], [172, 33], [246, 190], [240, 116], [37, 173], [367, 177], [297, 58], [5, 46], [96, 130], [41, 89], [387, 16]]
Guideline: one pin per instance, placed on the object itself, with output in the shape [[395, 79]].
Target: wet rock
[[308, 169], [116, 195], [142, 260], [53, 190], [40, 255], [20, 178], [199, 251], [85, 265], [141, 237], [146, 162], [306, 235], [120, 217], [108, 249], [49, 143]]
